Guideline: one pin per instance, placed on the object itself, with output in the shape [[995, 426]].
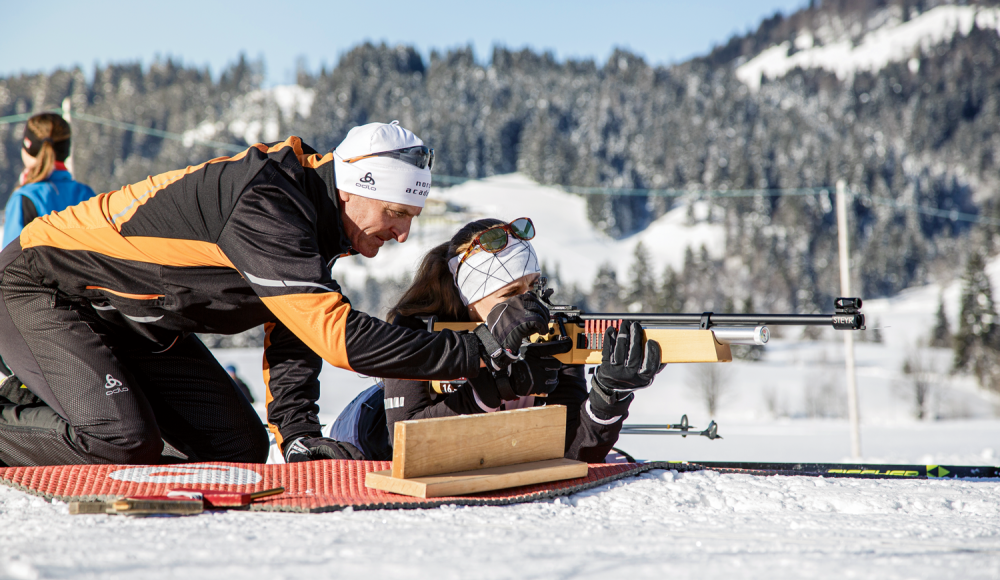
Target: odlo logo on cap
[[367, 179]]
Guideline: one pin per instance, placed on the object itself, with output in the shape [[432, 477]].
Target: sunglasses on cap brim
[[419, 156], [496, 238]]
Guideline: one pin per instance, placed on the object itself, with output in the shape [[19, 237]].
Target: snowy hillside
[[566, 239], [839, 50], [257, 116]]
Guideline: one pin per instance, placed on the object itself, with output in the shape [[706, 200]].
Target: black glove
[[509, 323], [626, 365], [535, 372], [312, 448]]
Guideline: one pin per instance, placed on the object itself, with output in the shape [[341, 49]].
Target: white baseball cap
[[383, 161]]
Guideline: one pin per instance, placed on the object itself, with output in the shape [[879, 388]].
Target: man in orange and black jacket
[[99, 303]]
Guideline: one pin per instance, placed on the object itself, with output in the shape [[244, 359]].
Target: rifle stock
[[678, 345]]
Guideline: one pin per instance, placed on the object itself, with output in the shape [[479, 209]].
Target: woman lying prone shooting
[[488, 265]]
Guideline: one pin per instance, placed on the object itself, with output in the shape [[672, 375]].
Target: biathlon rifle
[[683, 338]]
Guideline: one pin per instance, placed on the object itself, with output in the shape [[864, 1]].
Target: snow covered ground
[[661, 524]]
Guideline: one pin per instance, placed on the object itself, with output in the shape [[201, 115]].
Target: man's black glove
[[626, 363], [536, 372], [312, 448], [509, 323]]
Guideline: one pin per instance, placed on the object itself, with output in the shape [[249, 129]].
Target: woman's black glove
[[627, 364], [312, 448], [507, 324]]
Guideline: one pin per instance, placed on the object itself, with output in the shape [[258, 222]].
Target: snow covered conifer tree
[[977, 341], [671, 293], [918, 368], [605, 294], [941, 334], [641, 295]]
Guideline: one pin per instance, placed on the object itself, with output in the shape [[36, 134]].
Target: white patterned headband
[[484, 273]]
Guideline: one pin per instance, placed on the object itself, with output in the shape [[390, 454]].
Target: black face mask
[[33, 144]]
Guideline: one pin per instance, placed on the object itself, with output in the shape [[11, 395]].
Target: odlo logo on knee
[[113, 385]]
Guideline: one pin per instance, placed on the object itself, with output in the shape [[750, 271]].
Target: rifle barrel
[[719, 319]]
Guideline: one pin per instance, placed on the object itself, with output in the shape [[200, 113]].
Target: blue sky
[[59, 33]]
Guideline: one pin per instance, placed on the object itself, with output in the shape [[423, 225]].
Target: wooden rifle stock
[[678, 345]]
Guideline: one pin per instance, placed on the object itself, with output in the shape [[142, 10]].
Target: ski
[[862, 470]]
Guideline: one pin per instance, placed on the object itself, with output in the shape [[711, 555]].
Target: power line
[[642, 192], [158, 132], [131, 127], [952, 215]]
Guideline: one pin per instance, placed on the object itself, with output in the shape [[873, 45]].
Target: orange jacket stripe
[[165, 251], [294, 142], [319, 320], [174, 252], [314, 161], [126, 294]]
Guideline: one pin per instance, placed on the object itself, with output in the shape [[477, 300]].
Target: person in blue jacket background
[[46, 184]]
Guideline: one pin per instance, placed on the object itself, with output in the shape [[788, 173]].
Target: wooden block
[[478, 480], [139, 506], [88, 507], [156, 505], [218, 499], [450, 444]]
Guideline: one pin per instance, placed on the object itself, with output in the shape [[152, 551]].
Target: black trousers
[[107, 395]]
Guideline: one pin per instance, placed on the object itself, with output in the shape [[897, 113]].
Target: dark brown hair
[[433, 291], [51, 129]]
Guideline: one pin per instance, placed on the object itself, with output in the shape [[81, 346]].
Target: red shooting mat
[[313, 486]]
